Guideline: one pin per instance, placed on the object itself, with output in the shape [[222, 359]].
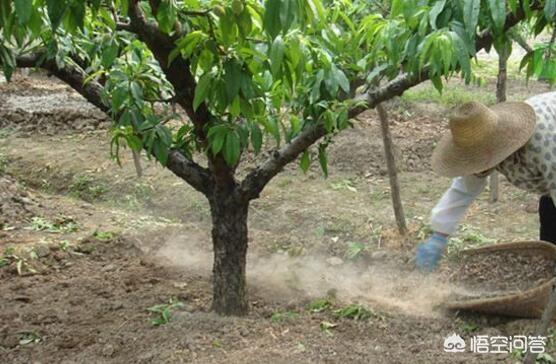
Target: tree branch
[[179, 75], [256, 180], [197, 176], [178, 72]]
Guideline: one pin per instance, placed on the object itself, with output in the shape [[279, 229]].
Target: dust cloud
[[385, 283]]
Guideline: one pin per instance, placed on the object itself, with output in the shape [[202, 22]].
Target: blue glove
[[430, 252]]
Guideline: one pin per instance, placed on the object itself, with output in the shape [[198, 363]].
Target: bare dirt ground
[[86, 248]]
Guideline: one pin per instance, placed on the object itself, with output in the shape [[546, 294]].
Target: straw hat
[[481, 137]]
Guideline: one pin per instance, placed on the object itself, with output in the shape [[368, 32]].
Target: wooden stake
[[392, 172], [137, 163]]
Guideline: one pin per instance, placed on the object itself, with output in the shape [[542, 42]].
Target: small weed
[[86, 188], [327, 327], [466, 327], [104, 235], [4, 262], [29, 337], [64, 245], [355, 250], [21, 263], [467, 237], [320, 231], [320, 304], [163, 311], [217, 344], [284, 316], [355, 312], [424, 231], [345, 184], [63, 225]]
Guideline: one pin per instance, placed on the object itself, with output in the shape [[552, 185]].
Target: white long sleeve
[[451, 208]]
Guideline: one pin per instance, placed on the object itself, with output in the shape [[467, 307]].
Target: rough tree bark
[[229, 238], [392, 171]]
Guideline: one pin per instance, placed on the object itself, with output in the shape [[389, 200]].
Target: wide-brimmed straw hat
[[481, 137]]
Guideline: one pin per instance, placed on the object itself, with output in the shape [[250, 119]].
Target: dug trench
[[87, 249]]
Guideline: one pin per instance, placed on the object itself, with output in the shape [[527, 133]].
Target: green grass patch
[[450, 96], [86, 188]]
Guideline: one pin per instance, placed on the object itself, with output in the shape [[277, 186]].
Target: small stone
[[109, 268], [334, 261], [42, 250], [85, 248], [108, 350]]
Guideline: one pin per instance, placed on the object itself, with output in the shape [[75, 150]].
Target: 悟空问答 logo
[[454, 344]]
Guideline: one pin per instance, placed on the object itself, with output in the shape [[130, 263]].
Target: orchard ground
[[87, 247]]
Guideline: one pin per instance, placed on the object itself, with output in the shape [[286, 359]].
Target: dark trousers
[[547, 215]]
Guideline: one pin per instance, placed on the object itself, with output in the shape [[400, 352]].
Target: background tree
[[283, 74]]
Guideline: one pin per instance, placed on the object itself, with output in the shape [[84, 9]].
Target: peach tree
[[201, 84]]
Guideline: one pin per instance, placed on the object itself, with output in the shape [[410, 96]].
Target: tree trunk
[[392, 172], [500, 97], [229, 238]]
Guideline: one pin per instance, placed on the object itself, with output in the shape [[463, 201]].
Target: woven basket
[[529, 303]]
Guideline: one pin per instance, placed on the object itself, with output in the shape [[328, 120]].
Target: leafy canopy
[[263, 71]]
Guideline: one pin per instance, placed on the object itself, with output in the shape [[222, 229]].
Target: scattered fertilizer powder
[[387, 283]]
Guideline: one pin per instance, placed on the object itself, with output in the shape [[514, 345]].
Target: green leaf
[[498, 12], [512, 4], [232, 148], [23, 9], [246, 86], [256, 137], [56, 10], [166, 15], [471, 9], [287, 14], [271, 19], [245, 23], [323, 160], [550, 9], [8, 61], [232, 77], [134, 142], [305, 161], [160, 151], [136, 92], [276, 55], [109, 54], [315, 91], [435, 11], [271, 126], [341, 78], [218, 142], [201, 90], [437, 82], [227, 27], [76, 16]]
